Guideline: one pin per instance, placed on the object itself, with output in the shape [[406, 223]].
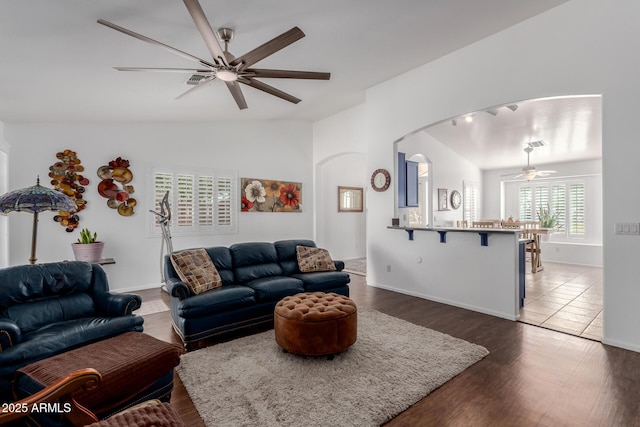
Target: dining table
[[536, 257]]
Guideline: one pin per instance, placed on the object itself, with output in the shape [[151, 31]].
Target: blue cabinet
[[407, 182], [412, 184], [402, 181]]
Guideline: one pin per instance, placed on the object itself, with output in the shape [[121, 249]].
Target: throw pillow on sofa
[[195, 268], [314, 259]]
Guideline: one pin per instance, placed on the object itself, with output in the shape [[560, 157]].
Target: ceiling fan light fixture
[[227, 75]]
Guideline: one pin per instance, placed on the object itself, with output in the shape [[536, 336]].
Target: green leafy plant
[[86, 237], [548, 219]]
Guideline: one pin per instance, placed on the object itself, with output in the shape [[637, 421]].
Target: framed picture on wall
[[350, 199], [443, 199]]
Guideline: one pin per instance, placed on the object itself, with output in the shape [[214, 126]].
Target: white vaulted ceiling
[[571, 128], [56, 62]]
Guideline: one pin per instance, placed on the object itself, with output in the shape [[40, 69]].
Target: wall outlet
[[388, 268]]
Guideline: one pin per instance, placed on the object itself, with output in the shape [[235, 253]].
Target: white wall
[[582, 46], [448, 170], [339, 158], [270, 150], [343, 233], [459, 272]]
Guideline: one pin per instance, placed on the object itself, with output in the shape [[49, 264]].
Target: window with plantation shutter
[[224, 186], [576, 210], [471, 206], [558, 204], [564, 199], [162, 182], [205, 201], [202, 201], [542, 199], [526, 208], [184, 213]]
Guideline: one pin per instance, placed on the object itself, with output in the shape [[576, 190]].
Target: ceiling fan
[[529, 172], [224, 66]]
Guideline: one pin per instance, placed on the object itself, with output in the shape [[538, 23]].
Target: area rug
[[356, 266], [252, 382], [152, 307]]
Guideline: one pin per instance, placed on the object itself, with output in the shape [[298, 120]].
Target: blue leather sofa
[[46, 309], [255, 276]]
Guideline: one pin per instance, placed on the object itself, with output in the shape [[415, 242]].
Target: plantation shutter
[[202, 201], [205, 201], [225, 205], [471, 202], [162, 182], [558, 204], [525, 209], [541, 200], [576, 210], [185, 212]]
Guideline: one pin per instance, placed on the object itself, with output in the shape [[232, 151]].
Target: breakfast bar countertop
[[460, 229]]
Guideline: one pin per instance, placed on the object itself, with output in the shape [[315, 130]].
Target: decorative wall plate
[[66, 177], [115, 186]]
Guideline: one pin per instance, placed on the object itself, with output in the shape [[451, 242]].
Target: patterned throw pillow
[[314, 259], [195, 268]]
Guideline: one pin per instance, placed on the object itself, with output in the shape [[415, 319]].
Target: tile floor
[[565, 298]]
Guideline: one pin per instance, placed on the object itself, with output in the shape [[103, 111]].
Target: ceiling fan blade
[[513, 175], [201, 84], [156, 43], [268, 48], [165, 70], [288, 74], [270, 90], [236, 92], [203, 26]]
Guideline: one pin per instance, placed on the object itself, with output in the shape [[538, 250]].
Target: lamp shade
[[33, 200]]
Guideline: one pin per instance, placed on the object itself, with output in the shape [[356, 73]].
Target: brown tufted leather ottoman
[[315, 323]]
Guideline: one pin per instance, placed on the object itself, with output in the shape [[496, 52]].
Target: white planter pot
[[90, 252]]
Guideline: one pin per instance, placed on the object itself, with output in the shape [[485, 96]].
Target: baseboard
[[621, 344]]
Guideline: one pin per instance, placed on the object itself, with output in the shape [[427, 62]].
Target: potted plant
[[548, 220], [87, 248]]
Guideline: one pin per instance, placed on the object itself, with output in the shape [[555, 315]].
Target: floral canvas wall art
[[265, 195]]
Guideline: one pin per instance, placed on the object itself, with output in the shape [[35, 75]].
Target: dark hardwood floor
[[532, 376]]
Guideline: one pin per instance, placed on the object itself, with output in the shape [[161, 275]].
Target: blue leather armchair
[[46, 309]]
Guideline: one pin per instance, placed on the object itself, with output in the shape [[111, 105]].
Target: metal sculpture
[[164, 220]]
